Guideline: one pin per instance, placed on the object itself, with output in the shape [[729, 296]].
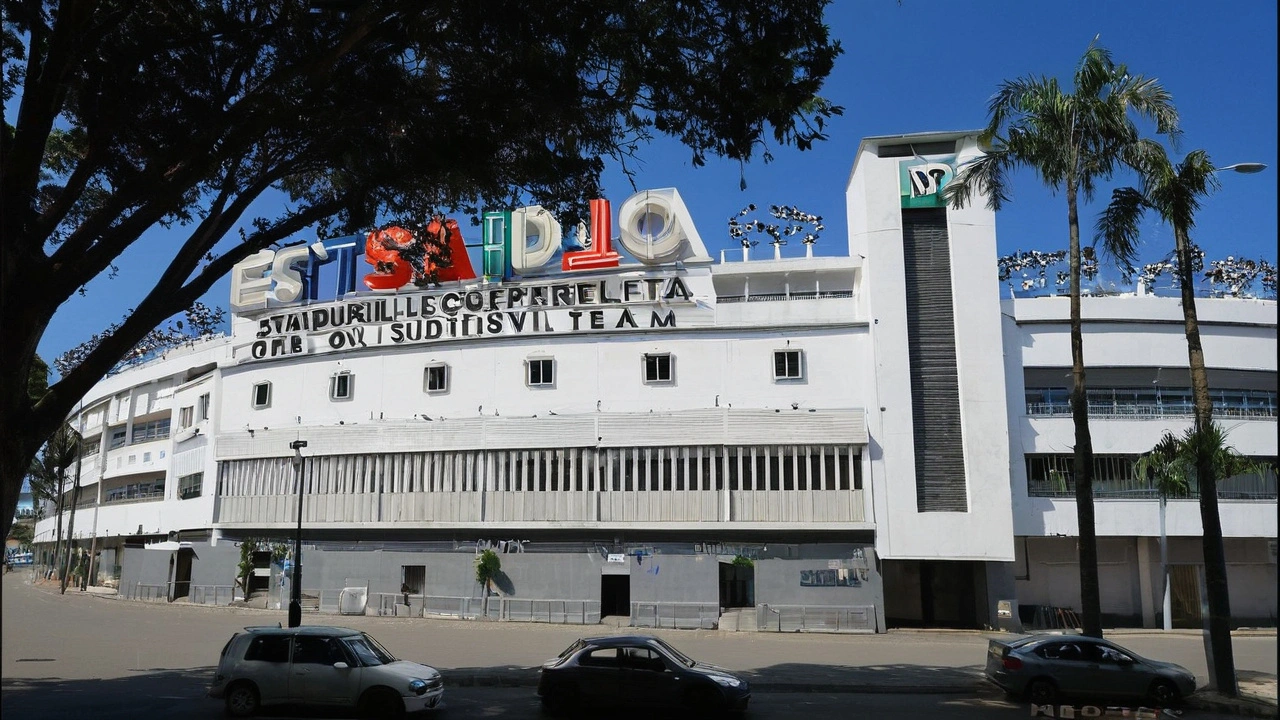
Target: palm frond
[[1117, 228]]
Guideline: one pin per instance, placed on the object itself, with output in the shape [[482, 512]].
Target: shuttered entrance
[[931, 343]]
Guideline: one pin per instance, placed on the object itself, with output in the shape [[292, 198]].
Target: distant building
[[851, 443]]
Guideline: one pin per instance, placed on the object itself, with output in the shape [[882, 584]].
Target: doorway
[[1184, 582], [737, 585], [182, 573], [615, 595]]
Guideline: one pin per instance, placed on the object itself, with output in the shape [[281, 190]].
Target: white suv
[[325, 666]]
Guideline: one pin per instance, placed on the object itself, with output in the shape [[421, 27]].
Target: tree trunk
[[57, 537], [1082, 467], [71, 524], [1215, 560]]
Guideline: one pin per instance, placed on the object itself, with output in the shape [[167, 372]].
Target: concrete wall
[[676, 578]]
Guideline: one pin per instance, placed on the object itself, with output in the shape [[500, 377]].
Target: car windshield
[[368, 651], [674, 653], [575, 647]]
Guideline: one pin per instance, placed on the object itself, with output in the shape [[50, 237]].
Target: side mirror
[[340, 666]]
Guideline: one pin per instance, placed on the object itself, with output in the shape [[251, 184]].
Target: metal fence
[[549, 610], [150, 592], [816, 618], [212, 594], [675, 615]]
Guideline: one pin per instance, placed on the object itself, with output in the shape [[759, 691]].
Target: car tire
[[1042, 691], [381, 703], [560, 700], [242, 700], [703, 700], [1163, 694]]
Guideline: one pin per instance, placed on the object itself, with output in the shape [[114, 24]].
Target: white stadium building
[[640, 429]]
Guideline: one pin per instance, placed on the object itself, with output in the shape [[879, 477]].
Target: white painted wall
[[985, 532]]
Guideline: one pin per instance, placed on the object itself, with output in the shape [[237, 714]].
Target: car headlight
[[418, 686], [726, 681]]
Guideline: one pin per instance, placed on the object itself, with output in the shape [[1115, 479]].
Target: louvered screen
[[931, 350]]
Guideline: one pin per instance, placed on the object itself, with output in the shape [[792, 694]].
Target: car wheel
[[560, 700], [1042, 691], [1163, 693], [381, 703], [242, 700], [703, 700]]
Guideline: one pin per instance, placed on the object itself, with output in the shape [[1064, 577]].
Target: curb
[[1243, 705], [530, 679]]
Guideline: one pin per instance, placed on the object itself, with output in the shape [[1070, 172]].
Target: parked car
[[637, 671], [1043, 667], [320, 666]]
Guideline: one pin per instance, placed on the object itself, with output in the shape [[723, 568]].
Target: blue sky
[[926, 65]]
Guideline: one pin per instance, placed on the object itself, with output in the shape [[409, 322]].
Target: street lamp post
[[295, 584]]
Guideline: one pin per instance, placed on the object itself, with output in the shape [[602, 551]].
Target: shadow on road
[[148, 693]]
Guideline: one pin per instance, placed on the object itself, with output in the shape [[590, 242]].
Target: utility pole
[[295, 585]]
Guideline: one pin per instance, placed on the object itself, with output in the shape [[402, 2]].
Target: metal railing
[[212, 594], [149, 592], [816, 618], [1241, 487], [675, 615], [507, 609], [775, 297]]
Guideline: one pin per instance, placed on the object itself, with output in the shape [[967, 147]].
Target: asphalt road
[[76, 656]]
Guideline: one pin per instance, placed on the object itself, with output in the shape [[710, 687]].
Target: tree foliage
[[182, 114], [244, 570]]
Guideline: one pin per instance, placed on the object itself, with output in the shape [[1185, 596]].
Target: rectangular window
[[657, 368], [190, 486], [117, 438], [415, 579], [204, 407], [541, 371], [435, 378], [186, 416], [340, 386], [262, 395], [788, 365], [148, 431]]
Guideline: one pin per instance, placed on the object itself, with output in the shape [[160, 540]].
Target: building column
[[1145, 550]]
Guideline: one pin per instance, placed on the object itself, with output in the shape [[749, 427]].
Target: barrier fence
[[816, 618], [675, 615]]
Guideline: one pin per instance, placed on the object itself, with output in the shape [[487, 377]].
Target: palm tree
[[1174, 193], [48, 473], [1162, 465], [1072, 140], [488, 566]]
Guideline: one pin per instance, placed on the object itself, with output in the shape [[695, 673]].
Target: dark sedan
[[637, 671], [1045, 667]]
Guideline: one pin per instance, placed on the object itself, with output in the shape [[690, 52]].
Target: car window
[[367, 651], [639, 658], [1061, 651], [1105, 654], [311, 650], [269, 648], [600, 657]]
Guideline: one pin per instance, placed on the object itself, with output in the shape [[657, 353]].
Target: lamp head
[[1246, 168]]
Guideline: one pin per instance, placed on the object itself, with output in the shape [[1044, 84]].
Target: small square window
[[340, 386], [185, 416], [435, 378], [658, 368], [788, 365], [541, 372], [262, 395]]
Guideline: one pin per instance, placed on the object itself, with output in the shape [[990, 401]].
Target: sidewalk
[[906, 661]]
